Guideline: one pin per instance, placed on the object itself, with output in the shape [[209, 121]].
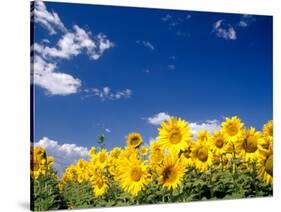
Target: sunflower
[[203, 135], [187, 155], [115, 152], [38, 153], [232, 129], [171, 171], [38, 168], [133, 175], [268, 130], [201, 155], [143, 151], [69, 174], [218, 143], [99, 184], [174, 134], [92, 152], [40, 163], [265, 167], [134, 140], [81, 164], [128, 152], [112, 168], [265, 144], [101, 158], [113, 159], [82, 176], [156, 153], [50, 162], [248, 146]]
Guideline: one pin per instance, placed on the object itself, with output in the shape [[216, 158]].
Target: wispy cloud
[[167, 17], [246, 20], [146, 44], [158, 118], [176, 23], [209, 125], [74, 43], [49, 20], [106, 93], [108, 130], [175, 20], [224, 30], [64, 154], [45, 68], [228, 31]]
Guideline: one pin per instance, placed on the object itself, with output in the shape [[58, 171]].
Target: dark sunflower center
[[99, 184], [250, 144], [187, 153], [136, 174], [203, 138], [203, 154], [135, 140], [269, 165], [175, 137], [168, 174], [232, 130], [219, 143]]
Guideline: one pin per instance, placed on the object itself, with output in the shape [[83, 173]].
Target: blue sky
[[138, 63]]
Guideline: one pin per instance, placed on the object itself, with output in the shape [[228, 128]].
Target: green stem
[[163, 198], [234, 160]]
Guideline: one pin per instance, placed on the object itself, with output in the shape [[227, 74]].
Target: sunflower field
[[233, 162]]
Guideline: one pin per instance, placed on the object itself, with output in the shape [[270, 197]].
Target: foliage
[[45, 194], [78, 195]]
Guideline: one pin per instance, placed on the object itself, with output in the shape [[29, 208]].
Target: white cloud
[[46, 76], [246, 20], [242, 23], [176, 23], [106, 94], [166, 17], [124, 93], [73, 44], [66, 47], [64, 154], [223, 30], [158, 118], [146, 44], [108, 130], [49, 20], [151, 139], [209, 125], [45, 41], [103, 44], [227, 31]]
